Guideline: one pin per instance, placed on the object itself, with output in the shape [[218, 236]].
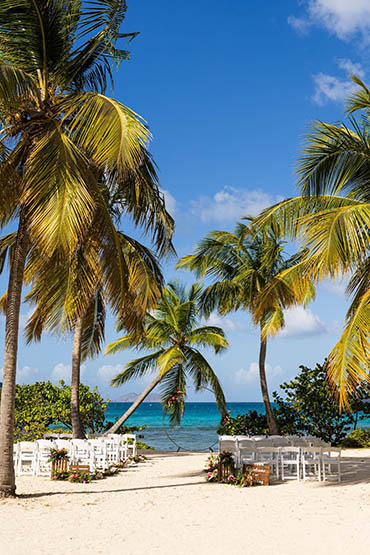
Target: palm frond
[[348, 362]]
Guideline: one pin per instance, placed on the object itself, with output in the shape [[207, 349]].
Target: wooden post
[[60, 465]]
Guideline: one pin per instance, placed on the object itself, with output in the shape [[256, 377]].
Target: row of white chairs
[[275, 441], [31, 458], [287, 461]]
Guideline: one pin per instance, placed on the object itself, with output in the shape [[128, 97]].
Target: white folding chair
[[27, 458], [131, 444], [229, 445], [43, 466], [123, 444], [65, 444], [112, 447], [331, 456], [100, 453], [247, 451], [83, 453], [311, 462], [289, 457], [270, 456]]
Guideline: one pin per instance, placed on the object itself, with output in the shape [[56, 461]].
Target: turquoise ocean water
[[198, 430]]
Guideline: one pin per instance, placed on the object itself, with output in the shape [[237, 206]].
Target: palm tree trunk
[[77, 428], [7, 478], [134, 406], [271, 422]]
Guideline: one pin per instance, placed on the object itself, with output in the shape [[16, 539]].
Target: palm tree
[[173, 333], [332, 219], [56, 59], [241, 265]]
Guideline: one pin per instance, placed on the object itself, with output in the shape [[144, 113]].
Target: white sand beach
[[164, 506]]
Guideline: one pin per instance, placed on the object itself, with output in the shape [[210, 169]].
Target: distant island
[[131, 397]]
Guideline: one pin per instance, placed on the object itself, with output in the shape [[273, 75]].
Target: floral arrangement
[[225, 420], [137, 459], [58, 455], [174, 399], [234, 478], [84, 477], [79, 477]]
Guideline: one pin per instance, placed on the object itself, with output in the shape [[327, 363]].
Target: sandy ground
[[165, 506]]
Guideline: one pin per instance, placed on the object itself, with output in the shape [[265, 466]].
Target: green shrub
[[252, 423], [357, 438]]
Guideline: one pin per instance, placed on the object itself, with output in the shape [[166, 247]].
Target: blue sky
[[229, 89]]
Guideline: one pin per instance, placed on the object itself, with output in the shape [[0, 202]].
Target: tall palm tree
[[332, 219], [173, 333], [56, 58], [241, 266]]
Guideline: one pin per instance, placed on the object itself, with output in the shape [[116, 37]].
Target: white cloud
[[336, 89], [231, 203], [351, 67], [226, 323], [299, 24], [337, 287], [63, 372], [171, 203], [107, 372], [342, 18], [302, 321], [244, 377]]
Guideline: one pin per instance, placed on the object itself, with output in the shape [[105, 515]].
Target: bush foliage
[[44, 405], [357, 439], [308, 408]]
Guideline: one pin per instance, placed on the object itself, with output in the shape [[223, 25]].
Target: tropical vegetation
[[175, 335], [241, 266]]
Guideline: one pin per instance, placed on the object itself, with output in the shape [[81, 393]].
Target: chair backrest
[[268, 453], [28, 447], [63, 444], [80, 444], [264, 443], [331, 452], [46, 444], [246, 444], [290, 451], [226, 438], [258, 438], [228, 445], [281, 442], [98, 445]]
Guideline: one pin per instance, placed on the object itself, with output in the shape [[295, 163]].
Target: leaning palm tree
[[332, 219], [174, 335], [56, 58], [241, 265]]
